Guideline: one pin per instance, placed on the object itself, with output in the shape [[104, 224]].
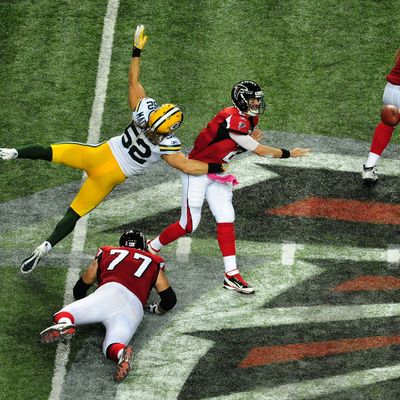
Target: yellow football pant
[[102, 169]]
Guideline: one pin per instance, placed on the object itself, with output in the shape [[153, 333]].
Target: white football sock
[[372, 160], [156, 244], [230, 265], [45, 247]]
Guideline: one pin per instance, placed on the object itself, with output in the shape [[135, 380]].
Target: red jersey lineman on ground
[[125, 276], [136, 269]]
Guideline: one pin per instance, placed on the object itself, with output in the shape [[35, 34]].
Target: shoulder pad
[[146, 104], [142, 111], [239, 124], [170, 140]]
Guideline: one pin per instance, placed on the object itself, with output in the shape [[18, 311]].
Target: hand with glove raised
[[139, 41]]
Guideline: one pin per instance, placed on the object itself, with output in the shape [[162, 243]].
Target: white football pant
[[113, 305], [197, 188], [391, 95]]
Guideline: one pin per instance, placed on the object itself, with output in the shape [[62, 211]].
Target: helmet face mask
[[133, 239], [164, 121], [242, 94]]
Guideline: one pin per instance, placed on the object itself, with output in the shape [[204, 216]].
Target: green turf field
[[322, 66]]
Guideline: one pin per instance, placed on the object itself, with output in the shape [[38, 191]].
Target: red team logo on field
[[326, 212]]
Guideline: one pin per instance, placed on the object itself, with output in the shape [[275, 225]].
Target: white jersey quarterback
[[133, 150]]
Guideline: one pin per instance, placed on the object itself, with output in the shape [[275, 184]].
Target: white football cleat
[[57, 332], [8, 154], [237, 283], [30, 263], [369, 175]]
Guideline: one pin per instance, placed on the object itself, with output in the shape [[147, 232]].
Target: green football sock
[[64, 227], [35, 152]]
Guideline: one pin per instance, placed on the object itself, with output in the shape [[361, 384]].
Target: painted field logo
[[328, 324]]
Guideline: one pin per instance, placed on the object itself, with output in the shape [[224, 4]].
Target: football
[[390, 115]]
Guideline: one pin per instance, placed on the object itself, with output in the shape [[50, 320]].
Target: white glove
[[153, 309]]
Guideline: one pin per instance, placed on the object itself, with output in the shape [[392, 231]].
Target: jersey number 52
[[140, 150]]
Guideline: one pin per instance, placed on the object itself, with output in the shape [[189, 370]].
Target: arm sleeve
[[168, 300], [80, 289], [245, 141]]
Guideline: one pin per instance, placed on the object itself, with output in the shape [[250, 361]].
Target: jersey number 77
[[122, 254]]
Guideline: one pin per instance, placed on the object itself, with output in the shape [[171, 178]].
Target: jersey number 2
[[122, 254]]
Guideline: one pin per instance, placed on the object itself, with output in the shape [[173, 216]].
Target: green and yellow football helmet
[[166, 119]]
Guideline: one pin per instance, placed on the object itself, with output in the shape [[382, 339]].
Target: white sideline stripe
[[80, 231], [183, 248], [393, 254]]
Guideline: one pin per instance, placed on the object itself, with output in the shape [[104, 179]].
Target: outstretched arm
[[191, 167], [136, 90], [250, 143], [262, 150]]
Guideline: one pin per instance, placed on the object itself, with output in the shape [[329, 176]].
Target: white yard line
[[289, 252], [393, 254], [183, 248], [79, 235]]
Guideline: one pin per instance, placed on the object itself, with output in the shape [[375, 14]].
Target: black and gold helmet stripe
[[157, 123]]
